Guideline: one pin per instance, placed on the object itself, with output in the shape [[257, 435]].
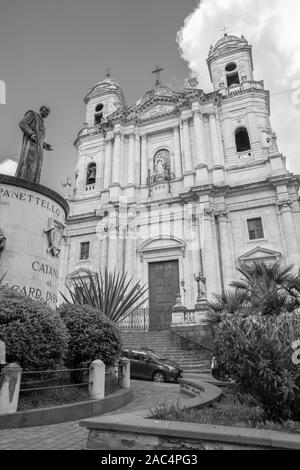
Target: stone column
[[227, 257], [177, 153], [116, 161], [199, 137], [130, 252], [137, 159], [120, 247], [217, 156], [291, 242], [131, 160], [187, 147], [209, 251], [144, 161], [107, 164], [113, 247], [104, 249]]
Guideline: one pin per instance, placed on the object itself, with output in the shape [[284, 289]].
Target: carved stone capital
[[283, 203], [109, 140], [221, 213], [197, 113], [207, 211]]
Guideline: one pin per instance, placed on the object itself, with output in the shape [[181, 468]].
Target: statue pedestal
[[201, 312], [32, 218]]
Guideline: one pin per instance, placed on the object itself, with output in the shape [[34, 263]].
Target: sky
[[52, 52]]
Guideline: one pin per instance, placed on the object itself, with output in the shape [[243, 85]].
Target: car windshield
[[155, 355]]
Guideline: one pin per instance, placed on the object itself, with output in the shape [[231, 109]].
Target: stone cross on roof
[[224, 30], [157, 71]]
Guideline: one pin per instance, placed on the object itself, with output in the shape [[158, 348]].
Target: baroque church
[[182, 183]]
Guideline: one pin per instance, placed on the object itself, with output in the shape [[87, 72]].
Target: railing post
[[97, 380], [10, 379], [125, 382]]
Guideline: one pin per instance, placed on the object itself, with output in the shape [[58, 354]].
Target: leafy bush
[[34, 334], [92, 336], [257, 353]]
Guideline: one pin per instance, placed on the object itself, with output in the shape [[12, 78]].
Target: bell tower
[[230, 62], [102, 100], [243, 110]]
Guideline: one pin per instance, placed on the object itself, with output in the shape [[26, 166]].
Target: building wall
[[201, 219]]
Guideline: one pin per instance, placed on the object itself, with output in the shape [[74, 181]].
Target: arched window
[[91, 174], [98, 114], [232, 75], [242, 140]]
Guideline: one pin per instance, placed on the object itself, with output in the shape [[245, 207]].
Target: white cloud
[[8, 167], [272, 27]]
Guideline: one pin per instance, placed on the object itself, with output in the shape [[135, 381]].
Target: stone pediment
[[161, 246], [157, 110], [260, 254]]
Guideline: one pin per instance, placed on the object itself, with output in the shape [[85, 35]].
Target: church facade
[[182, 183]]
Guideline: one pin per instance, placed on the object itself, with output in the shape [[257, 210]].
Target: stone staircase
[[193, 362]]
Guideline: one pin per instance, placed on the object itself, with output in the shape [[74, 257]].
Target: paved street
[[69, 436]]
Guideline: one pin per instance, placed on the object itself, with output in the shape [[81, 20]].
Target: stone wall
[[32, 218]]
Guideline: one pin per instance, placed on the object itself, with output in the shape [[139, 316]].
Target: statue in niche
[[33, 146], [161, 165]]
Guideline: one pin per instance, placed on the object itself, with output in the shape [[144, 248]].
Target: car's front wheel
[[159, 377]]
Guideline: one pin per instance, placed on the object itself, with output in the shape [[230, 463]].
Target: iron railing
[[137, 320], [26, 384]]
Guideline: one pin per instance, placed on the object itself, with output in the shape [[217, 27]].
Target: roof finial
[[107, 72], [157, 71], [225, 30]]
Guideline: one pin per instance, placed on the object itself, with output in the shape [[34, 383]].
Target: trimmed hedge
[[34, 334], [92, 336]]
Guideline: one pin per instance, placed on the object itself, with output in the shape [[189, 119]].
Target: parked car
[[148, 364]]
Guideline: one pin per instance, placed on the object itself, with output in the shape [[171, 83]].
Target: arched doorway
[[163, 266]]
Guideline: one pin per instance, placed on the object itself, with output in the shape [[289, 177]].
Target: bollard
[[125, 383], [97, 380], [10, 379], [2, 353]]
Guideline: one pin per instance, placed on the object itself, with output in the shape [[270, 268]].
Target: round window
[[230, 67]]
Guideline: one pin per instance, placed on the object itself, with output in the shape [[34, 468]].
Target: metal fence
[[137, 320], [53, 380]]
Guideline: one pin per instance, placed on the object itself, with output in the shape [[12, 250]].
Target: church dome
[[228, 41], [108, 85]]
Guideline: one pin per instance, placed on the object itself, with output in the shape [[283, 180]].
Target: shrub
[[112, 293], [257, 353], [92, 336], [34, 334]]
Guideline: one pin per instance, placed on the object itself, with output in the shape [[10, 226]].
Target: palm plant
[[266, 289], [112, 294]]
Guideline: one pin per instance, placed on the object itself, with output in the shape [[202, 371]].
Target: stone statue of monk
[[33, 146]]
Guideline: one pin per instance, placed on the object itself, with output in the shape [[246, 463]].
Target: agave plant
[[112, 294]]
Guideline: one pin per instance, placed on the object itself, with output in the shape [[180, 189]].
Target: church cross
[[157, 71], [225, 30]]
